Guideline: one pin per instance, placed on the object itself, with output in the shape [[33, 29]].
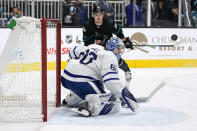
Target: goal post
[[44, 63], [30, 86]]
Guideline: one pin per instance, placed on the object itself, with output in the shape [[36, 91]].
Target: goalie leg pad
[[102, 104], [129, 99]]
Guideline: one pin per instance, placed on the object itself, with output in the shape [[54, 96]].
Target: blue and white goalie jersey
[[89, 64]]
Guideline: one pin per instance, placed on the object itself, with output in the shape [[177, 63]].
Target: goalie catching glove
[[128, 43]]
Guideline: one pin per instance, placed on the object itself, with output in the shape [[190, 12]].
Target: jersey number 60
[[87, 56]]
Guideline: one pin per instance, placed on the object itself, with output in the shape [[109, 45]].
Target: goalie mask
[[115, 45]]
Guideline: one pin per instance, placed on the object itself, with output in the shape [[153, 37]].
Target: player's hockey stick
[[147, 99], [156, 45], [143, 44]]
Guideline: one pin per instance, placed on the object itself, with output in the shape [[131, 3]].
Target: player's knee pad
[[129, 99], [72, 100], [102, 104]]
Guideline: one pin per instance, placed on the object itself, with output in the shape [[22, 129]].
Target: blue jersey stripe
[[111, 79], [70, 55], [74, 52], [77, 76], [109, 73]]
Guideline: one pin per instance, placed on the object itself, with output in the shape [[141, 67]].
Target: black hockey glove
[[128, 43]]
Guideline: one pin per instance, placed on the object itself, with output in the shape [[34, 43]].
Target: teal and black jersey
[[107, 29]]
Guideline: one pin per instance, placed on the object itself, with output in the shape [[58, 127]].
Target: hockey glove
[[128, 43], [128, 76]]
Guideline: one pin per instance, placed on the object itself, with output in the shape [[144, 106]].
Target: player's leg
[[83, 88], [80, 90]]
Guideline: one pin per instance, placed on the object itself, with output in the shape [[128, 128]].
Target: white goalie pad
[[102, 104]]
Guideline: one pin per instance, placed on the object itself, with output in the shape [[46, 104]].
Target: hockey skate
[[82, 109], [64, 103]]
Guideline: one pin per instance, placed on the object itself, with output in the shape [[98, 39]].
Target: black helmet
[[97, 9]]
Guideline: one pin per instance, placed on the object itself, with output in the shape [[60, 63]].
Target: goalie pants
[[82, 89]]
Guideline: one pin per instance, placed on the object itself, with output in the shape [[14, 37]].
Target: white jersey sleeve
[[75, 52], [109, 72]]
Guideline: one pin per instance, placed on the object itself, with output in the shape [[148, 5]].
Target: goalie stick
[[147, 99]]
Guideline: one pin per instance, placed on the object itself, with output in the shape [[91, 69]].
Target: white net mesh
[[20, 71]]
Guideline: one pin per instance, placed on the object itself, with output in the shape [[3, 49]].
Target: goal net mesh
[[21, 71]]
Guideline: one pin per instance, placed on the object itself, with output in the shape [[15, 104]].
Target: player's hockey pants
[[82, 89]]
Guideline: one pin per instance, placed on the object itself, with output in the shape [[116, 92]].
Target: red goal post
[[44, 63]]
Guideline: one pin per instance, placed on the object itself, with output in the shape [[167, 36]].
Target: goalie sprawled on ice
[[88, 72]]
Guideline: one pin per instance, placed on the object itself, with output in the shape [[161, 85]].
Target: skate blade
[[83, 112]]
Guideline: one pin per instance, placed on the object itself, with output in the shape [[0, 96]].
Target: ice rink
[[172, 108]]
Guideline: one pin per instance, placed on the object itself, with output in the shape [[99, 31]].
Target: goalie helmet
[[115, 45]]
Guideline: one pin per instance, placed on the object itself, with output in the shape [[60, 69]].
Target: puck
[[174, 37]]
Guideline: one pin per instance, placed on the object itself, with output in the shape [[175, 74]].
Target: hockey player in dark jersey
[[99, 30]]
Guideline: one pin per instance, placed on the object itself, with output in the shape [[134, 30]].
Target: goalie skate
[[82, 109]]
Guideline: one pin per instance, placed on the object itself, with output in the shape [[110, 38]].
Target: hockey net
[[29, 73]]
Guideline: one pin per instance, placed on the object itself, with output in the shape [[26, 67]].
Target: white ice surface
[[172, 108]]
